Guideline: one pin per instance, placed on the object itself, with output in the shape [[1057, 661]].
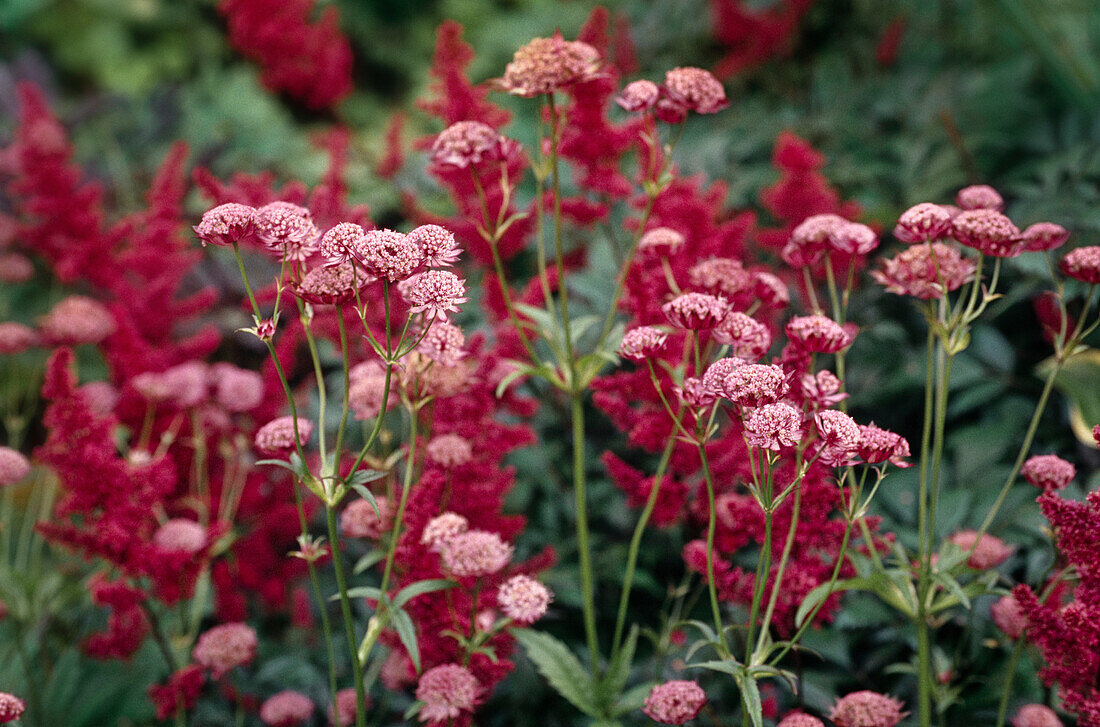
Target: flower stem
[[1006, 691], [712, 523], [583, 545], [349, 618]]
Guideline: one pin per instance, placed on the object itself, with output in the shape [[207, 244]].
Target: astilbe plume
[[753, 34]]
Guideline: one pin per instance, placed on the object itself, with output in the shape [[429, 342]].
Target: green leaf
[[1077, 380], [359, 592], [407, 633], [276, 463], [618, 671], [950, 584], [724, 666], [750, 699], [369, 497], [412, 710], [633, 699], [823, 591], [367, 561], [560, 667], [362, 477], [419, 588]]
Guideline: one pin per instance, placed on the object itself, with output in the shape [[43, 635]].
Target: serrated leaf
[[419, 588], [369, 497], [406, 631], [362, 477], [750, 699], [618, 671], [556, 662]]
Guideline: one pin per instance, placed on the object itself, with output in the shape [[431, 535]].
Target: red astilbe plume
[[455, 98], [753, 35], [393, 155], [127, 625], [308, 60]]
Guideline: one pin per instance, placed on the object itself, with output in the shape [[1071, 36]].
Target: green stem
[[318, 594], [559, 247], [399, 517], [349, 618], [924, 662], [763, 567], [1006, 691], [583, 545], [795, 510], [712, 523]]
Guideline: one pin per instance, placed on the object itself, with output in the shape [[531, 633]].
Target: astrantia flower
[[770, 290], [546, 65], [342, 711], [695, 89], [286, 709], [695, 311], [800, 719], [287, 229], [337, 243], [714, 378], [468, 143], [919, 270], [1044, 236], [16, 338], [661, 241], [1036, 715], [773, 426], [435, 293], [225, 224], [867, 709], [1048, 472], [360, 520], [277, 436], [77, 320], [180, 535], [441, 529], [877, 445], [523, 599], [1009, 616], [642, 342], [15, 268], [368, 392], [11, 707], [443, 343], [810, 238], [694, 393], [447, 691], [674, 702], [747, 337], [1082, 264], [989, 553], [236, 389], [13, 466], [988, 231], [449, 450], [922, 223], [438, 245], [721, 276], [388, 254], [818, 334], [839, 436], [755, 384], [822, 389], [853, 238], [225, 647], [979, 197], [475, 553], [638, 95]]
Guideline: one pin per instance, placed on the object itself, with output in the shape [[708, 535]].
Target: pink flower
[[447, 691], [223, 648], [1048, 472], [337, 243], [721, 276], [923, 223], [853, 238], [389, 255], [1082, 264], [443, 343], [546, 65], [638, 96], [1044, 236], [331, 284], [810, 238], [770, 290], [800, 719], [13, 466], [694, 392], [287, 229], [818, 334], [839, 436], [990, 551], [642, 342], [435, 293], [1036, 715], [286, 709], [11, 707], [695, 89], [450, 450], [988, 231], [867, 709], [523, 599], [877, 445], [695, 311], [468, 144], [675, 702], [368, 392], [359, 519], [236, 389], [714, 378], [1009, 616], [180, 535], [77, 320], [755, 384], [822, 389], [276, 438], [661, 241], [979, 197], [437, 244], [442, 529], [924, 271], [16, 338], [475, 553], [15, 268], [342, 712], [225, 224], [773, 426]]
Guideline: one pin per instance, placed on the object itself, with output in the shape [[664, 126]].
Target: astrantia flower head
[[1082, 264], [337, 243], [988, 231], [225, 647], [695, 311], [853, 238], [810, 238], [721, 276], [822, 389], [77, 320], [11, 707], [642, 342], [919, 270], [368, 392], [225, 224], [435, 293], [661, 241], [450, 450], [475, 553], [839, 436], [990, 551], [523, 599], [447, 691], [694, 393], [286, 709], [755, 384], [770, 289], [695, 89], [15, 268], [441, 529], [1048, 472], [675, 702], [979, 197], [16, 338], [360, 520], [388, 254], [800, 719], [236, 389], [438, 245], [773, 426], [923, 223], [714, 378], [469, 144], [1009, 616], [638, 96], [331, 284], [287, 229], [867, 709], [747, 337], [877, 445], [342, 711], [13, 466], [1043, 236], [443, 343], [180, 535], [818, 334], [277, 436], [1036, 715], [546, 65]]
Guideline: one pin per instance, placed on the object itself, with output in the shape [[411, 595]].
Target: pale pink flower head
[[438, 245], [441, 529], [523, 599], [1009, 616], [447, 691], [180, 535], [1048, 472], [822, 389], [450, 450], [15, 268], [13, 466], [485, 620], [818, 334], [867, 709], [694, 392], [755, 384], [469, 144], [342, 711], [187, 383], [695, 311], [225, 224], [988, 231], [990, 551], [1082, 264], [337, 243], [475, 553], [638, 96], [877, 445], [661, 242], [642, 342], [289, 708], [287, 229], [359, 520], [695, 89], [546, 65], [853, 238], [800, 719], [101, 396], [367, 393], [77, 320], [924, 271], [388, 255], [331, 284], [1036, 715], [747, 337], [1043, 236], [236, 389], [721, 276], [839, 436], [714, 378], [774, 426], [435, 293], [443, 343], [979, 197], [923, 223], [16, 338], [810, 239], [223, 648], [770, 290], [276, 438], [675, 702], [11, 707]]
